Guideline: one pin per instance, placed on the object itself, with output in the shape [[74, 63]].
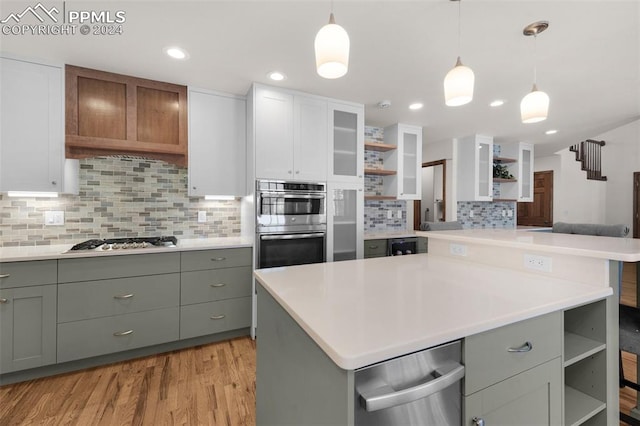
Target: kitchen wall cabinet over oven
[[346, 143], [31, 126], [475, 168], [217, 144], [345, 221], [290, 135], [27, 314]]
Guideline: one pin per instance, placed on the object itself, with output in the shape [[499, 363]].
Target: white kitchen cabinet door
[[345, 221], [346, 143], [309, 138], [522, 170], [273, 132], [406, 160], [217, 144], [31, 126], [475, 168]]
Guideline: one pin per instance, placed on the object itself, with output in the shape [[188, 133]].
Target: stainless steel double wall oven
[[291, 223]]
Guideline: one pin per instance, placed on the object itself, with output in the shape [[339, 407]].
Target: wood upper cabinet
[[109, 113]]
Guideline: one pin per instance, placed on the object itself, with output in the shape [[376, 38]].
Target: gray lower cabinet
[[27, 327], [215, 291], [375, 248]]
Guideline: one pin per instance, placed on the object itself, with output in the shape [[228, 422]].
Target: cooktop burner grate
[[136, 242]]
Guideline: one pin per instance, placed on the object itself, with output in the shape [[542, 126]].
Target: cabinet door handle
[[123, 296], [3, 300], [289, 171], [477, 421], [524, 348], [217, 317], [123, 333], [297, 172], [53, 182], [218, 259], [373, 247], [217, 285], [5, 275]]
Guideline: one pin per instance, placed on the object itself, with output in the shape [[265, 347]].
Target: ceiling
[[588, 61]]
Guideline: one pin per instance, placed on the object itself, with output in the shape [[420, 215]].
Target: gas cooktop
[[125, 243]]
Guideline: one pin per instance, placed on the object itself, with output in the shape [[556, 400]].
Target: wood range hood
[[114, 114]]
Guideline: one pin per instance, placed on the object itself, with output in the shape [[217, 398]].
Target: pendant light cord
[[459, 25]]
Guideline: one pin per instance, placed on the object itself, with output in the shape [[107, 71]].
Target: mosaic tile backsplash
[[118, 197], [486, 214]]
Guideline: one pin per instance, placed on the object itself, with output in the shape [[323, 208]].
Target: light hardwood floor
[[206, 385]]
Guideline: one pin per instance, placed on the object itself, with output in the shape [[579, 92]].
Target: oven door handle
[[280, 195], [291, 236]]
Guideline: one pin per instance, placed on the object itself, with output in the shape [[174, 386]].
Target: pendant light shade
[[458, 85], [534, 106], [332, 50]]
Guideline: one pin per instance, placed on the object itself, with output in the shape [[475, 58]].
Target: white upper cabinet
[[406, 160], [475, 168], [290, 136], [346, 143], [217, 144], [31, 126], [522, 170]]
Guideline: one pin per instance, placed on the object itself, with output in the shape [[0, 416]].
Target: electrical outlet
[[389, 214], [399, 214], [458, 249], [510, 213], [538, 263], [54, 218], [202, 216], [471, 213], [504, 213]]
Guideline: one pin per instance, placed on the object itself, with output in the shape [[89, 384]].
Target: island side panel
[[613, 343], [296, 382]]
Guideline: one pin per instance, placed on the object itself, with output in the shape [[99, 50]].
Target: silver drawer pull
[[524, 348], [218, 259], [123, 296], [373, 247], [123, 333], [3, 300], [217, 285], [217, 317], [5, 275]]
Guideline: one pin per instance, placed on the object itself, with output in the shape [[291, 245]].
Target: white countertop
[[365, 311], [623, 249], [19, 254]]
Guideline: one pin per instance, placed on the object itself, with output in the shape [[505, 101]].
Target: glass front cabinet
[[406, 160], [346, 143], [475, 168], [345, 221]]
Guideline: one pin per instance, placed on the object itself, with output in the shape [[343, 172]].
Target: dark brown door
[[636, 206], [540, 211]]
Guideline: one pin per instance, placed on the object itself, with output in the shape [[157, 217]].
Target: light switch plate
[[389, 214], [202, 216], [54, 218], [399, 214]]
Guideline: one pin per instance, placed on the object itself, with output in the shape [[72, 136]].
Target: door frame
[[417, 203], [636, 212]]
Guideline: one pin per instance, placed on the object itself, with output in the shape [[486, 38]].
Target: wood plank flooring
[[206, 385]]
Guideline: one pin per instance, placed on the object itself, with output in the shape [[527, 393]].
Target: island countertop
[[365, 311], [621, 249]]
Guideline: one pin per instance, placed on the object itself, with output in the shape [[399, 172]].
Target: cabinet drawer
[[375, 248], [214, 317], [83, 339], [488, 361], [117, 266], [214, 259], [422, 245], [24, 274], [215, 284], [94, 299]]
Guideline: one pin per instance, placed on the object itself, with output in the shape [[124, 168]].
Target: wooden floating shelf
[[498, 200], [379, 172], [379, 197], [504, 160], [504, 180], [381, 147]]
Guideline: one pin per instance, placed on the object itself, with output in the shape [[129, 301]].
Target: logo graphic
[[38, 11]]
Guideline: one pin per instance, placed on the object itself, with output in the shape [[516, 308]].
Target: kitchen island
[[319, 324]]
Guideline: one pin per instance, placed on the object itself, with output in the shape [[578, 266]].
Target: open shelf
[[379, 197], [379, 172], [381, 147], [577, 348], [579, 407], [504, 160]]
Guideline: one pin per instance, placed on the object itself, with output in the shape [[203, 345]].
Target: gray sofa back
[[440, 226], [591, 229]]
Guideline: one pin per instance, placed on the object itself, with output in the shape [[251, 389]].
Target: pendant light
[[458, 83], [332, 49], [534, 107]]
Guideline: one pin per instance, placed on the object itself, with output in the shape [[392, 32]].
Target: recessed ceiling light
[[176, 52], [416, 106], [551, 132], [497, 103], [276, 76]]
